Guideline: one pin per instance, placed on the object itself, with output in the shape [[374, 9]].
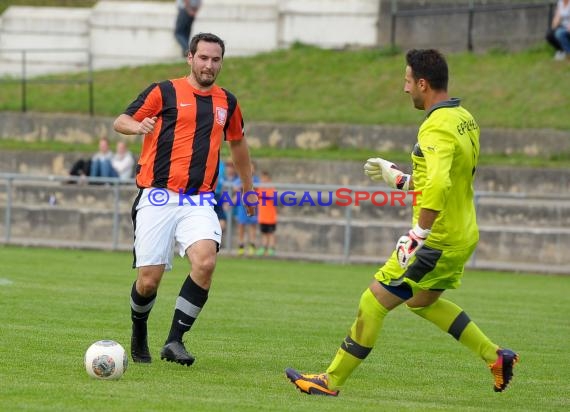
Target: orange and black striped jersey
[[183, 151]]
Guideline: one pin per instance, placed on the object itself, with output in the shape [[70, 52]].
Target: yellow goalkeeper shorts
[[429, 269]]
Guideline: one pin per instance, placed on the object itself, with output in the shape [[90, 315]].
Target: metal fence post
[[347, 234], [229, 222], [8, 211], [24, 85], [551, 7], [470, 16], [23, 79], [393, 11], [116, 213], [90, 82]]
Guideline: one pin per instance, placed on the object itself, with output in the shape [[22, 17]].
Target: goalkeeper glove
[[378, 169], [409, 244]]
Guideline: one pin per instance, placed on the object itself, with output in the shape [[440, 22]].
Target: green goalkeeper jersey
[[444, 163]]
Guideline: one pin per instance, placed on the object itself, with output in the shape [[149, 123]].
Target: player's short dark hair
[[208, 37], [429, 64]]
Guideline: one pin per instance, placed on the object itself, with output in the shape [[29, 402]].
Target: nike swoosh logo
[[185, 104], [182, 323], [216, 233]]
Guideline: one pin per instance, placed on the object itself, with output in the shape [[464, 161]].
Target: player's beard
[[418, 103], [205, 78]]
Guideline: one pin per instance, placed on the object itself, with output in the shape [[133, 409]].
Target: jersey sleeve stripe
[[139, 101], [232, 104]]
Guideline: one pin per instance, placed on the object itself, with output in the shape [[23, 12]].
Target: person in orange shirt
[[267, 216]]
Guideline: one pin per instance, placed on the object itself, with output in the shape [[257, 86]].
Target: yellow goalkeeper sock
[[452, 319], [360, 340]]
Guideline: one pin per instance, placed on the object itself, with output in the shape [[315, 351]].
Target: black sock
[[189, 303], [140, 310]]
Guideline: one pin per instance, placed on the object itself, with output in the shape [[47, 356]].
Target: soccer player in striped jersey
[[184, 122], [430, 258]]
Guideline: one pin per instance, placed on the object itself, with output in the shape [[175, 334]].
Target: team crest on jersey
[[221, 115]]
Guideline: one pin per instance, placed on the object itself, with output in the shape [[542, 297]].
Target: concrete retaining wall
[[86, 129], [511, 29], [538, 181]]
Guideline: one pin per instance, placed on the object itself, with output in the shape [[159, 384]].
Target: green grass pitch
[[264, 316]]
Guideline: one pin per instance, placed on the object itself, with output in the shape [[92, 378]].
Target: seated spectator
[[559, 33], [101, 161], [80, 168], [123, 161]]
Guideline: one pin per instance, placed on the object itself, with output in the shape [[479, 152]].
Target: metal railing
[[113, 184], [345, 227], [25, 78]]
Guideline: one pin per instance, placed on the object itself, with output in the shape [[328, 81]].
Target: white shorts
[[166, 222]]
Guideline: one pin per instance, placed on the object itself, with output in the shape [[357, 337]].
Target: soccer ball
[[105, 359]]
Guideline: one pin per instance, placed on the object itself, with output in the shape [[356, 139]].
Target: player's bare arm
[[427, 218], [126, 124]]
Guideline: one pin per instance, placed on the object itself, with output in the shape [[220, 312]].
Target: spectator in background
[[101, 161], [559, 33], [229, 178], [266, 216], [246, 224], [123, 161], [219, 207], [81, 168], [187, 10]]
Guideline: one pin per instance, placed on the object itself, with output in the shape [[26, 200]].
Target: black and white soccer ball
[[106, 359]]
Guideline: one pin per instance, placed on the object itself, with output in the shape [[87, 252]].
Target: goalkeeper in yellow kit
[[430, 258]]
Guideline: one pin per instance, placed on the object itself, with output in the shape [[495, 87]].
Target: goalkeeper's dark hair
[[429, 64], [208, 37]]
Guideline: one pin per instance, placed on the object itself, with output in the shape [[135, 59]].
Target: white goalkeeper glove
[[378, 169], [409, 244]]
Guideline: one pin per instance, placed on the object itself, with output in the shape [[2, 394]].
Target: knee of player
[[206, 264], [147, 285], [418, 310]]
